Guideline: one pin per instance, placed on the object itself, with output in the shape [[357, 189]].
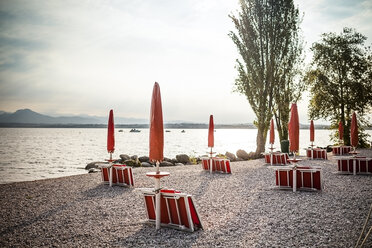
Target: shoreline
[[238, 210]]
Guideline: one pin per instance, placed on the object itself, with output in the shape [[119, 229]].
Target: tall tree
[[340, 78], [266, 36], [289, 85]]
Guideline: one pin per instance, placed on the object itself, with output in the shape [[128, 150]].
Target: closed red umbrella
[[354, 131], [156, 126], [312, 131], [156, 146], [294, 139], [211, 140], [110, 141], [340, 130], [272, 132], [110, 134], [211, 132], [294, 130]]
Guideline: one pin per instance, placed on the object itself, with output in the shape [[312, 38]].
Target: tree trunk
[[347, 126], [281, 126], [261, 139]]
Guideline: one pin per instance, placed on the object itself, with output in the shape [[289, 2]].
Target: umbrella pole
[[211, 162], [157, 197], [110, 163], [294, 179], [354, 162], [157, 167], [312, 152], [271, 155], [294, 173]]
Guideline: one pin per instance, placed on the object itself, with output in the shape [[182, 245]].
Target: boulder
[[178, 164], [165, 163], [242, 154], [92, 170], [329, 148], [144, 159], [92, 165], [230, 156], [167, 159], [124, 157], [182, 158], [134, 157], [132, 163], [145, 164]]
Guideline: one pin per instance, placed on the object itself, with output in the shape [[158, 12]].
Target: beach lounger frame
[[307, 178], [354, 165], [218, 164], [278, 158], [178, 210], [105, 172], [341, 150], [317, 153], [122, 175]]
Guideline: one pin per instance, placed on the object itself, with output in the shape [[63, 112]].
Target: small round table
[[157, 175], [294, 161]]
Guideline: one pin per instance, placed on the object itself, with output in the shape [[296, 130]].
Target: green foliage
[[267, 40], [193, 159], [340, 79], [362, 135], [221, 156]]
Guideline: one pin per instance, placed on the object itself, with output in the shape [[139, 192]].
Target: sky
[[90, 56]]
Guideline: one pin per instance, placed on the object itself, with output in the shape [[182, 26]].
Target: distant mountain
[[27, 116]]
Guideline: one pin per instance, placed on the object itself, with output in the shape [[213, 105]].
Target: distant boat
[[183, 131], [120, 131], [167, 131], [133, 130]]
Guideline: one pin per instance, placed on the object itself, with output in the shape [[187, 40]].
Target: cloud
[[71, 57]]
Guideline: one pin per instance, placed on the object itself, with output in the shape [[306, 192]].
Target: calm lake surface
[[38, 153]]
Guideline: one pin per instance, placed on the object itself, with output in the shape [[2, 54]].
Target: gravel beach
[[239, 210]]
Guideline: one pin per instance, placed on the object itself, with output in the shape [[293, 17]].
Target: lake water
[[39, 153]]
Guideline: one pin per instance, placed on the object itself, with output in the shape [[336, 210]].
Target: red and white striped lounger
[[317, 153], [122, 175], [105, 172], [177, 209], [306, 177], [278, 158], [218, 164], [341, 150], [363, 165]]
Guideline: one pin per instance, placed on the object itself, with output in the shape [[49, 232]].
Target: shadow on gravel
[[205, 181], [147, 236], [39, 218], [105, 191]]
